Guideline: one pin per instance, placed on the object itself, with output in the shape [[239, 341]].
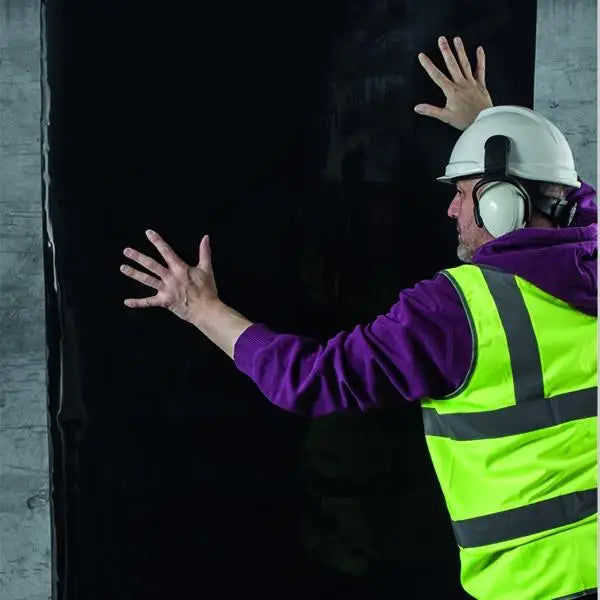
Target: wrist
[[208, 312], [221, 324]]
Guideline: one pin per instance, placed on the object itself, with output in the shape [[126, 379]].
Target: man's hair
[[553, 190], [548, 190]]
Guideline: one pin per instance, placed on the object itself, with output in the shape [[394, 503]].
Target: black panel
[[174, 477]]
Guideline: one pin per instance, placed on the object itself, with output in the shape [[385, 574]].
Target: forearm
[[222, 325]]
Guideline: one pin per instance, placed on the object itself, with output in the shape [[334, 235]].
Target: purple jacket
[[422, 346]]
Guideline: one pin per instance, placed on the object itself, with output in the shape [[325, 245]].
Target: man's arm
[[421, 347]]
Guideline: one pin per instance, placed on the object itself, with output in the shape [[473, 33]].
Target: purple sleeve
[[586, 212], [421, 347]]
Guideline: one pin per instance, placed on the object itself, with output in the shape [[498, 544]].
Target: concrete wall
[[25, 524], [565, 76]]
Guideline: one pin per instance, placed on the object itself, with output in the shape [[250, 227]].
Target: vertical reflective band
[[521, 340]]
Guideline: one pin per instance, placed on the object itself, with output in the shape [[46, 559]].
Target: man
[[500, 352]]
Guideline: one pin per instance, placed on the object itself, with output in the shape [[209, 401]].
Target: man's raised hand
[[466, 95], [184, 290]]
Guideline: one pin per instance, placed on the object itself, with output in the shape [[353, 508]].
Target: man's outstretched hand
[[189, 292], [466, 94], [184, 290]]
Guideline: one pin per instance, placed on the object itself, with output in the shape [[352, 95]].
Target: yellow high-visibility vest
[[515, 447]]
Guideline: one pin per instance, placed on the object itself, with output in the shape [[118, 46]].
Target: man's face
[[470, 237]]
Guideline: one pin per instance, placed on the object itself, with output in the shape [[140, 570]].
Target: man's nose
[[453, 208]]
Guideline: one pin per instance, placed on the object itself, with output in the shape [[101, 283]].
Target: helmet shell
[[538, 150]]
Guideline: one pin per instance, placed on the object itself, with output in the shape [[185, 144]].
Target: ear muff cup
[[501, 207]]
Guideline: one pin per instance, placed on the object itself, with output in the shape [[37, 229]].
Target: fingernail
[[457, 40], [418, 108], [149, 232]]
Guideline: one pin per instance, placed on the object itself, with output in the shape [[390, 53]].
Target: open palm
[[181, 288], [466, 94]]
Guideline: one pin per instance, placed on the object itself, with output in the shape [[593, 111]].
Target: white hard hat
[[538, 150]]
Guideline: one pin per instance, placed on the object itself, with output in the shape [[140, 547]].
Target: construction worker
[[500, 351]]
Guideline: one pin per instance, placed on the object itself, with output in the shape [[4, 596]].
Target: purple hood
[[562, 262], [422, 346]]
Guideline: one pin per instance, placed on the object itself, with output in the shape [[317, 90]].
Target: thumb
[[204, 261], [431, 111]]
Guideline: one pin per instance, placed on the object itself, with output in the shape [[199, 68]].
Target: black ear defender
[[497, 149], [560, 211]]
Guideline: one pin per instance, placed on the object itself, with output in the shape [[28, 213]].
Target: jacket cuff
[[252, 340]]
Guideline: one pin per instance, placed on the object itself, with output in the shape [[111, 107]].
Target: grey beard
[[464, 253]]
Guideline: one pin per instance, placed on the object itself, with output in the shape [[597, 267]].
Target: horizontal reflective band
[[526, 520], [513, 420]]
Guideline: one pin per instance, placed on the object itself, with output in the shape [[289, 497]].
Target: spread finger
[[147, 262], [165, 250], [462, 58], [449, 59], [142, 302], [436, 75], [141, 277]]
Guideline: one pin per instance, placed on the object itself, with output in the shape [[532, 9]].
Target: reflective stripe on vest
[[526, 520], [535, 414]]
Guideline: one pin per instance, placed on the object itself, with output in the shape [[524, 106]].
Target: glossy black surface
[[174, 477]]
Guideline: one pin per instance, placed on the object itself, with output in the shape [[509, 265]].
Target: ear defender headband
[[502, 204]]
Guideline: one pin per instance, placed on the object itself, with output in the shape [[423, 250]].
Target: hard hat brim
[[568, 180]]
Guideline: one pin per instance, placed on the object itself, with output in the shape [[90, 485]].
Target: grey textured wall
[[25, 525], [565, 91], [565, 76]]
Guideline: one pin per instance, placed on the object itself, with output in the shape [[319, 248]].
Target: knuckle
[[183, 270], [174, 273]]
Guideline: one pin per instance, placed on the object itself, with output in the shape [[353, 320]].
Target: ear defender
[[500, 208], [500, 203]]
